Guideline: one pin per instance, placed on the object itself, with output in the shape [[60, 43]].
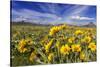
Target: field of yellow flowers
[[33, 45]]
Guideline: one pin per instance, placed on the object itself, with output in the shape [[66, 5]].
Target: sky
[[52, 13]]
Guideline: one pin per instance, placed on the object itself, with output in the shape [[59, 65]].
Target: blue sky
[[52, 13]]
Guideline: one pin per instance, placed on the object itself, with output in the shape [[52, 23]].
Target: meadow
[[40, 44]]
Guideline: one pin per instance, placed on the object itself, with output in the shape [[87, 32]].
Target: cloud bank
[[81, 18]]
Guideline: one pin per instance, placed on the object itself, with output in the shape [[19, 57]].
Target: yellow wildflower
[[87, 39], [32, 56], [78, 32], [76, 48], [92, 46], [71, 39], [50, 57], [29, 41], [22, 49], [54, 30], [22, 42], [65, 49], [47, 47], [57, 44], [82, 56], [21, 46]]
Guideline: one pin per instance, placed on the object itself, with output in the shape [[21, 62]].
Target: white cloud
[[81, 18], [32, 15], [76, 12], [79, 10]]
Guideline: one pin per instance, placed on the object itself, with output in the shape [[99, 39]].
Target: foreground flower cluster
[[53, 45]]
